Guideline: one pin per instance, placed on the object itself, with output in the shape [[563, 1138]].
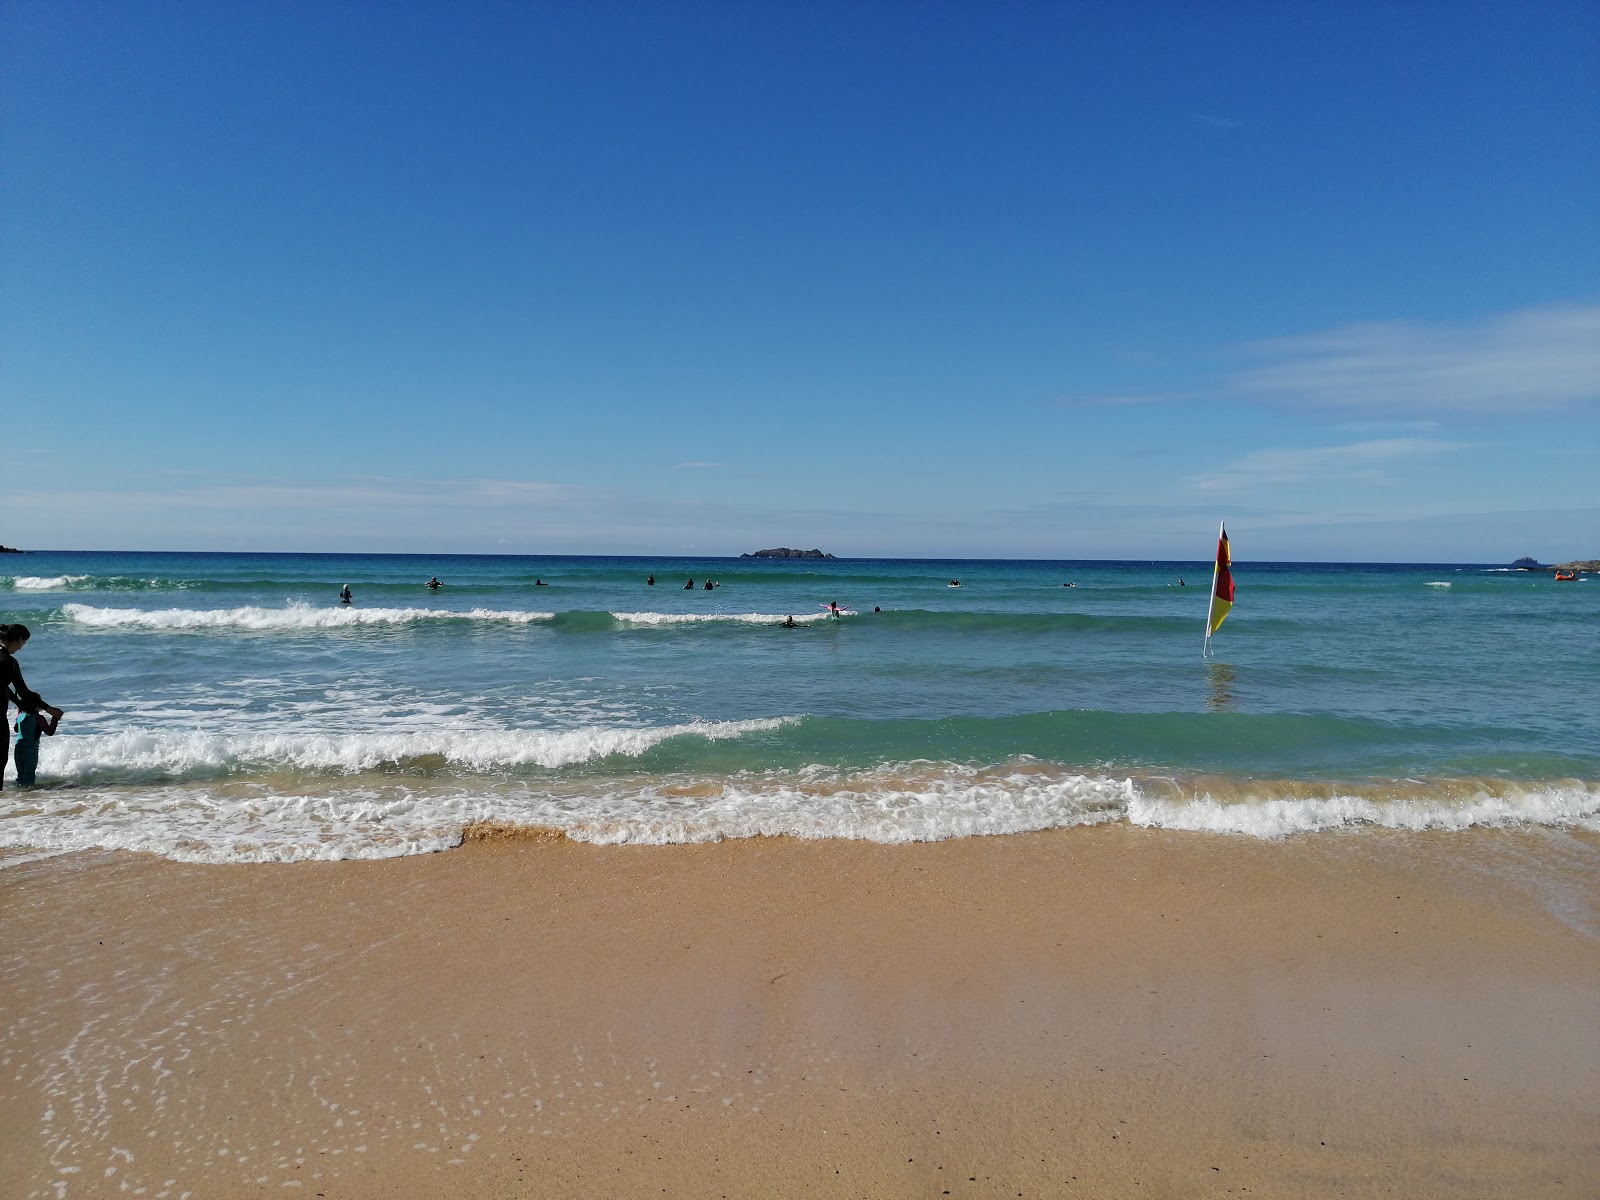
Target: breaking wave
[[292, 616], [191, 754], [43, 583], [374, 817]]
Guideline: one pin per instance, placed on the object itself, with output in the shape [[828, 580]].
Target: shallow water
[[226, 707]]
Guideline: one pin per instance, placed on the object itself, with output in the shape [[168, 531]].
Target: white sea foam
[[1438, 583], [292, 616], [889, 805], [1552, 804], [376, 817], [251, 823], [43, 583], [753, 618], [162, 753]]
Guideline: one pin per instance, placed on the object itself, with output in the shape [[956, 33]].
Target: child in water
[[29, 727]]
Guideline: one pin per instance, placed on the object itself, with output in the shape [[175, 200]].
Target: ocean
[[227, 708]]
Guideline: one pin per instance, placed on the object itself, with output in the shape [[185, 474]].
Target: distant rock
[[1582, 564], [1528, 564], [785, 552], [14, 550]]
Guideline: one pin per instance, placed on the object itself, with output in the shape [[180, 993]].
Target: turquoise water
[[225, 706]]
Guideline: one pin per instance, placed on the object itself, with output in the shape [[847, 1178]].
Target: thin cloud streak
[[1356, 461], [1534, 360]]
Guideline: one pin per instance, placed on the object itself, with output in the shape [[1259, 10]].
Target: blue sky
[[984, 279]]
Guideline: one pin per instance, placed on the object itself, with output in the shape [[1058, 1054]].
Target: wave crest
[[145, 754], [377, 817], [292, 616], [45, 583]]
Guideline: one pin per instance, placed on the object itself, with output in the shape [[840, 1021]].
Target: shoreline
[[1097, 1011]]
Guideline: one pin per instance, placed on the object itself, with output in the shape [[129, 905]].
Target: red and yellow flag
[[1221, 585]]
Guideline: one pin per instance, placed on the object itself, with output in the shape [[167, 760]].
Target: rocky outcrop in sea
[[785, 552]]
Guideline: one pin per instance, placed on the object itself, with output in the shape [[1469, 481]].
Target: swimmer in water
[[689, 587], [790, 623], [540, 583], [709, 585], [651, 581], [433, 584], [344, 595]]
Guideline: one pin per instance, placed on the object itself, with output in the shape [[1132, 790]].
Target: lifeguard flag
[[1221, 584]]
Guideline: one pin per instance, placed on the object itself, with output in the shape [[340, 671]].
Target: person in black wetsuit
[[12, 639], [344, 594]]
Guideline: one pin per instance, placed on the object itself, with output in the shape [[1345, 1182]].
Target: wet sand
[[1103, 1012]]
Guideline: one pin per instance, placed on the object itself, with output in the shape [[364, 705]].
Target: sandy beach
[[1099, 1012]]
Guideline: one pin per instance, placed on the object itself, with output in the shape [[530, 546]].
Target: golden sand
[[1101, 1012], [500, 832]]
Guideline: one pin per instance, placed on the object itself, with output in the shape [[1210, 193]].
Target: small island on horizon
[[1587, 565], [785, 552]]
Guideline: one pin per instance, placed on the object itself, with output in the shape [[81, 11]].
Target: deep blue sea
[[227, 707]]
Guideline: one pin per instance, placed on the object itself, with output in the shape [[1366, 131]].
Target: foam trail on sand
[[1552, 804], [384, 814]]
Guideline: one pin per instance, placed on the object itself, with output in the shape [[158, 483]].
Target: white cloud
[[1356, 462], [1536, 359]]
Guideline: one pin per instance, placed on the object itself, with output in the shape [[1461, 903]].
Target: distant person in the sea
[[651, 581], [344, 595], [876, 609], [1069, 585], [540, 583], [789, 624], [689, 587], [433, 584], [954, 583], [1180, 583], [709, 585], [12, 639]]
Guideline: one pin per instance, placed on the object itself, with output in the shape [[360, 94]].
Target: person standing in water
[[344, 595], [433, 584], [12, 639]]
